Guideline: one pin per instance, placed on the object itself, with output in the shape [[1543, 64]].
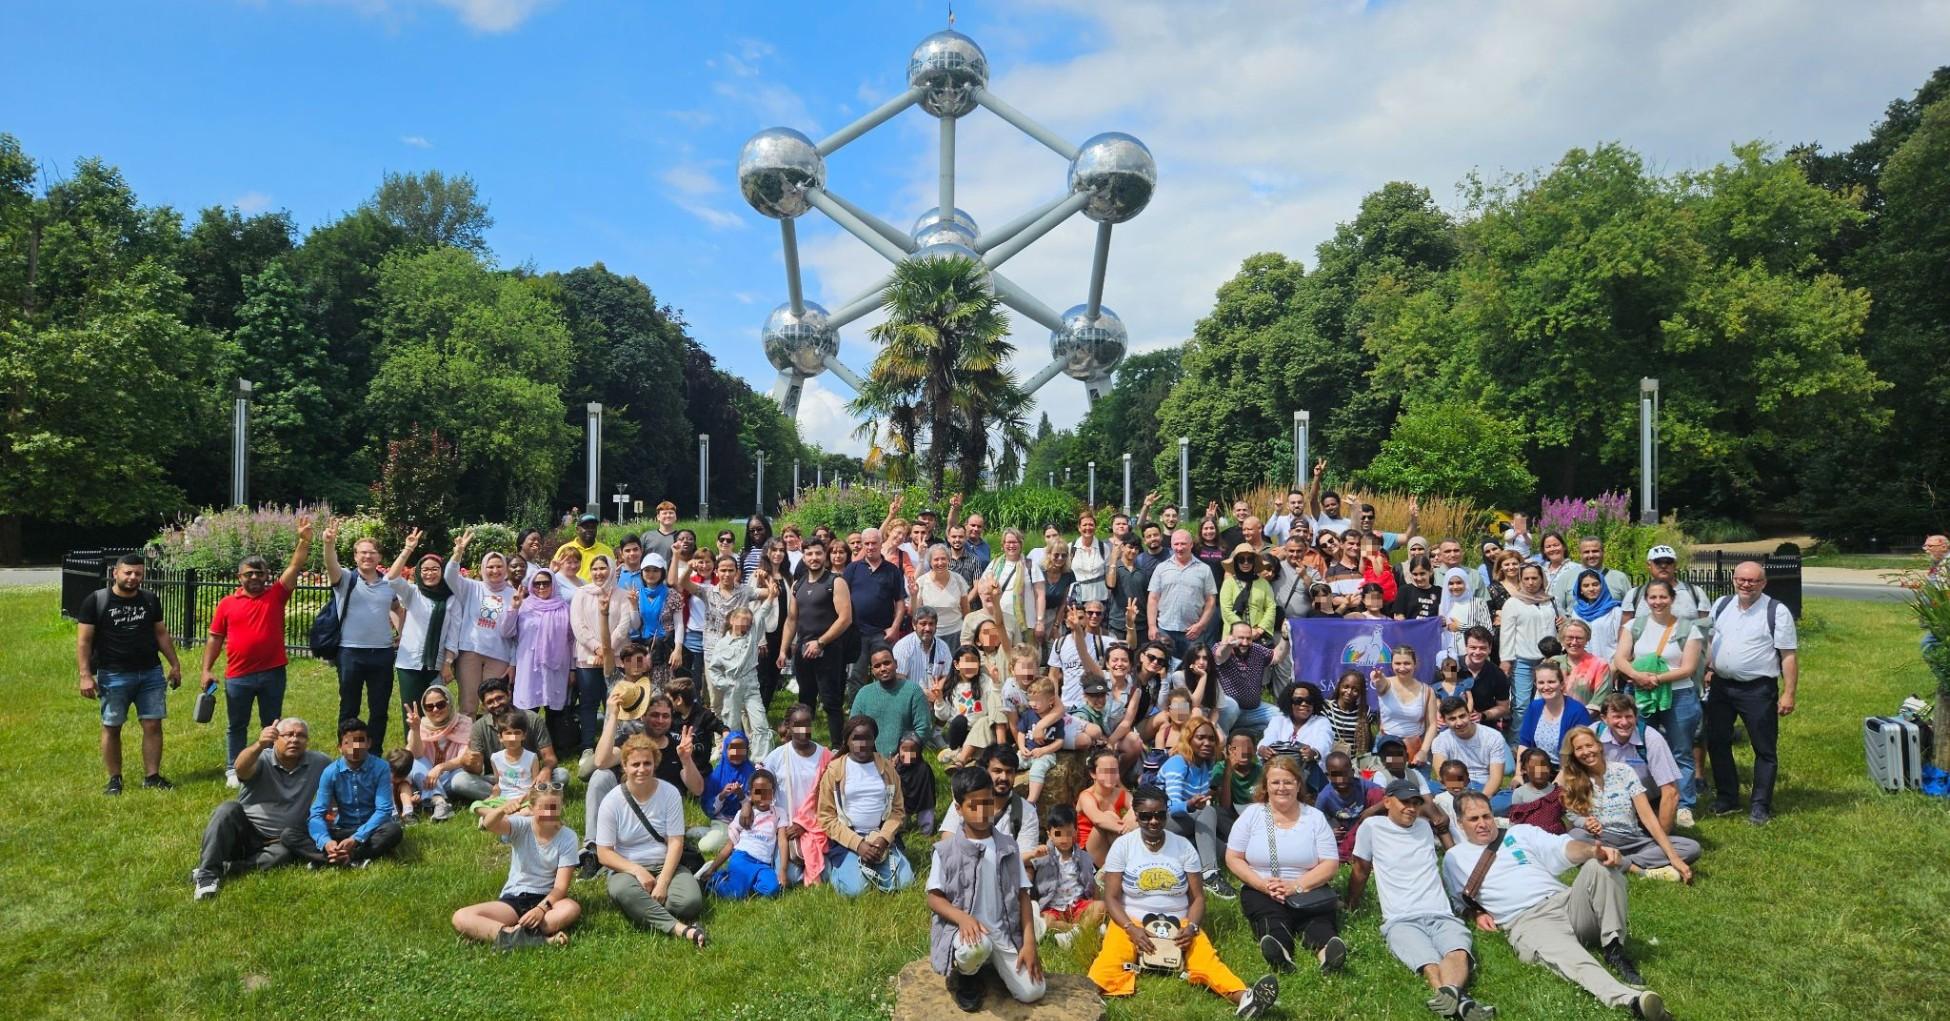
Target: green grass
[[1869, 561], [1831, 912]]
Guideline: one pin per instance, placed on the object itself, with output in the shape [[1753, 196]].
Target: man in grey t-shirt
[[278, 777]]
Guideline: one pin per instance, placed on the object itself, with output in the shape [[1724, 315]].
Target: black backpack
[[324, 637]]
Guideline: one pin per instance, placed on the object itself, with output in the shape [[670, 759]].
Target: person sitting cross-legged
[[278, 778], [860, 809], [534, 907], [358, 789]]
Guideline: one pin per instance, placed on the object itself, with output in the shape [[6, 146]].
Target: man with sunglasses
[[497, 705], [249, 624]]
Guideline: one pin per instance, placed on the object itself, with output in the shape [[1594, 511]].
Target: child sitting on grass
[[1538, 801], [406, 799], [1041, 730], [1455, 780], [514, 767], [917, 784], [534, 907], [1066, 879], [983, 915], [750, 864]]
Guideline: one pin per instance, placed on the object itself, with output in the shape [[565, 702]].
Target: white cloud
[[416, 141], [494, 15], [715, 218], [825, 422], [693, 184], [1271, 122], [251, 202]]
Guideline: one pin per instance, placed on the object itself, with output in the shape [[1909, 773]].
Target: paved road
[[22, 576], [1860, 593]]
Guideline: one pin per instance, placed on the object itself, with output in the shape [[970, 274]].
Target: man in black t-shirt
[[118, 640], [1489, 686]]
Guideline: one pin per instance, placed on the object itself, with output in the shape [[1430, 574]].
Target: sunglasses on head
[[549, 787]]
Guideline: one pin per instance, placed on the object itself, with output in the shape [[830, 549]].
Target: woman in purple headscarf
[[544, 652]]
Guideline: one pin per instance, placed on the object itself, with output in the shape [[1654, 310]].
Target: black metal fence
[[189, 597], [1713, 575]]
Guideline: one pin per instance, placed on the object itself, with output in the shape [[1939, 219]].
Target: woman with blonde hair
[[1282, 851], [1604, 803]]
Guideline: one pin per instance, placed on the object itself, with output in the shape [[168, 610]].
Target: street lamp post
[[240, 445], [1648, 451]]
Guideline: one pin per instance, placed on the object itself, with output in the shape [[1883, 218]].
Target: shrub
[[1439, 516], [1719, 530], [1452, 449], [417, 484], [489, 537], [1027, 507], [1609, 517], [216, 540]]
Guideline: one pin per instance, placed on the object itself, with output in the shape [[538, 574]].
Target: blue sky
[[608, 131]]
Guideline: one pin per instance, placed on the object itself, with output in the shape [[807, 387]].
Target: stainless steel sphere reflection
[[1089, 349], [950, 67], [943, 233], [774, 170], [950, 250], [934, 213], [1118, 174], [799, 344]]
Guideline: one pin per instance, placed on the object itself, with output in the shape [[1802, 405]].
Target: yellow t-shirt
[[591, 552]]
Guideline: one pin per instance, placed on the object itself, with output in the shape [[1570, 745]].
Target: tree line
[[385, 337], [1794, 306]]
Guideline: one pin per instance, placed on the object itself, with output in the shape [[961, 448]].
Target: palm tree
[[940, 372]]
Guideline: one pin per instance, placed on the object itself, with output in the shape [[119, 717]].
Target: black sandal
[[696, 934]]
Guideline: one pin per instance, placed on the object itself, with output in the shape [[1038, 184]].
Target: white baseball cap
[[1660, 553], [657, 561]]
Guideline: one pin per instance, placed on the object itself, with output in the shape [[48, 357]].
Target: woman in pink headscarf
[[544, 651]]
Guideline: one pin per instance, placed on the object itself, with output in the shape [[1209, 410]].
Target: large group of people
[[1560, 726]]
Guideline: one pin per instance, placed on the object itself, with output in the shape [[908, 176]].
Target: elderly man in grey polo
[[1752, 673], [277, 778], [1183, 594]]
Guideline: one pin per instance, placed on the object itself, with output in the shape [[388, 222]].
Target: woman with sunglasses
[[544, 652], [437, 737], [1245, 596], [1058, 583], [1152, 877]]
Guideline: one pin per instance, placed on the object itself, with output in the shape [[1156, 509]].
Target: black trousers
[[1756, 703], [826, 678], [380, 842], [368, 674], [232, 840], [1269, 917], [769, 674]]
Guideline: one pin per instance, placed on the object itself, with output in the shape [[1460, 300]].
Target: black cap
[[1096, 686], [1403, 789]]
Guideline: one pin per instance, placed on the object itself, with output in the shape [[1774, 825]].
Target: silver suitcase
[[1894, 749]]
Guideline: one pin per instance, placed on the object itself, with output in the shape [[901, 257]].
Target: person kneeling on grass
[[1151, 878], [860, 810], [983, 915], [640, 839], [1066, 879], [358, 789], [278, 778], [1545, 921], [534, 907]]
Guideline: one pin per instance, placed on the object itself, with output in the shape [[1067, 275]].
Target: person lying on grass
[[534, 907], [983, 914]]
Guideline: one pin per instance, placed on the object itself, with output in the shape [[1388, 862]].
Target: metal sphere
[[1118, 174], [943, 233], [950, 67], [799, 344], [774, 170], [933, 214], [949, 250], [1089, 348]]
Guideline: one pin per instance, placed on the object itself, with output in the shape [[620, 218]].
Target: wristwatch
[[1189, 929]]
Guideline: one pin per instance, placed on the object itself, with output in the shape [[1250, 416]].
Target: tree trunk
[[10, 540]]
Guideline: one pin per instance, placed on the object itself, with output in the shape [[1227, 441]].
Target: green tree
[[482, 357], [1453, 449], [1121, 420], [435, 210], [941, 370], [223, 250], [295, 445]]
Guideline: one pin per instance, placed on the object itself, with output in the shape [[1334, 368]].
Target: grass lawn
[[1869, 561], [1828, 913]]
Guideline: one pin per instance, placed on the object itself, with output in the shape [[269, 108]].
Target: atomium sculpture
[[782, 173]]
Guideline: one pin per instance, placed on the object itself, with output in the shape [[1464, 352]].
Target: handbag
[[1309, 901]]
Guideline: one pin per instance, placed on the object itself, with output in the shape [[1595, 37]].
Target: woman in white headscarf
[[1460, 611]]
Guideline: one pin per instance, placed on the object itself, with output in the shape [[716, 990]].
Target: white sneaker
[[206, 888], [1065, 938], [443, 809], [1684, 819], [230, 779]]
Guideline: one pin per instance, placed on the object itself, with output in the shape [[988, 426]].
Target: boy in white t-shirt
[[514, 767], [1479, 748]]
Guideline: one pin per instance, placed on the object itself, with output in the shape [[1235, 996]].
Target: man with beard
[[249, 624], [118, 637], [497, 706]]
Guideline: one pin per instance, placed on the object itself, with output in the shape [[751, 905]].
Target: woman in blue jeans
[[860, 809], [1528, 616]]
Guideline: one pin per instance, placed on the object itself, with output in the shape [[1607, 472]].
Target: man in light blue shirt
[[359, 786]]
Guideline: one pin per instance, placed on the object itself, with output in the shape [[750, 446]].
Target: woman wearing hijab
[[544, 651], [586, 622], [436, 736], [1461, 610], [1600, 610], [477, 609], [1528, 617], [426, 636]]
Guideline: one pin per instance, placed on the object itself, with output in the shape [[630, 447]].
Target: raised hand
[[1320, 468], [460, 544], [332, 532], [304, 527], [685, 743], [414, 538], [955, 501]]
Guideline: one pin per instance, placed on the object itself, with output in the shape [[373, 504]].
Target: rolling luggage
[[1894, 748]]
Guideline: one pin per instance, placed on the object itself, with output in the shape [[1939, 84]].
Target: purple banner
[[1325, 646]]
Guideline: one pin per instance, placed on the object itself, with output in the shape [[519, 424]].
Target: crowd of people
[[1563, 725]]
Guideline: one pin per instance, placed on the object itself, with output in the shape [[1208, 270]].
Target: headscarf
[[1594, 609], [545, 648], [436, 596], [1542, 597], [917, 783], [1458, 610], [432, 734], [726, 774]]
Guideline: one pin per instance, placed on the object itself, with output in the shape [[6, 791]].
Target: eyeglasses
[[1150, 816], [543, 583], [548, 788], [1093, 613]]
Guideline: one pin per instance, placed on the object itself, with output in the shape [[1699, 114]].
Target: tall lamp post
[[1648, 451], [240, 445]]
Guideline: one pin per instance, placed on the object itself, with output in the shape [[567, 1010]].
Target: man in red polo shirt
[[250, 623]]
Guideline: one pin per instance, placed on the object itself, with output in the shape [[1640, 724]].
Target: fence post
[[189, 604]]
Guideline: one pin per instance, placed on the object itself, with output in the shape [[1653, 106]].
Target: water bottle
[[206, 703]]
